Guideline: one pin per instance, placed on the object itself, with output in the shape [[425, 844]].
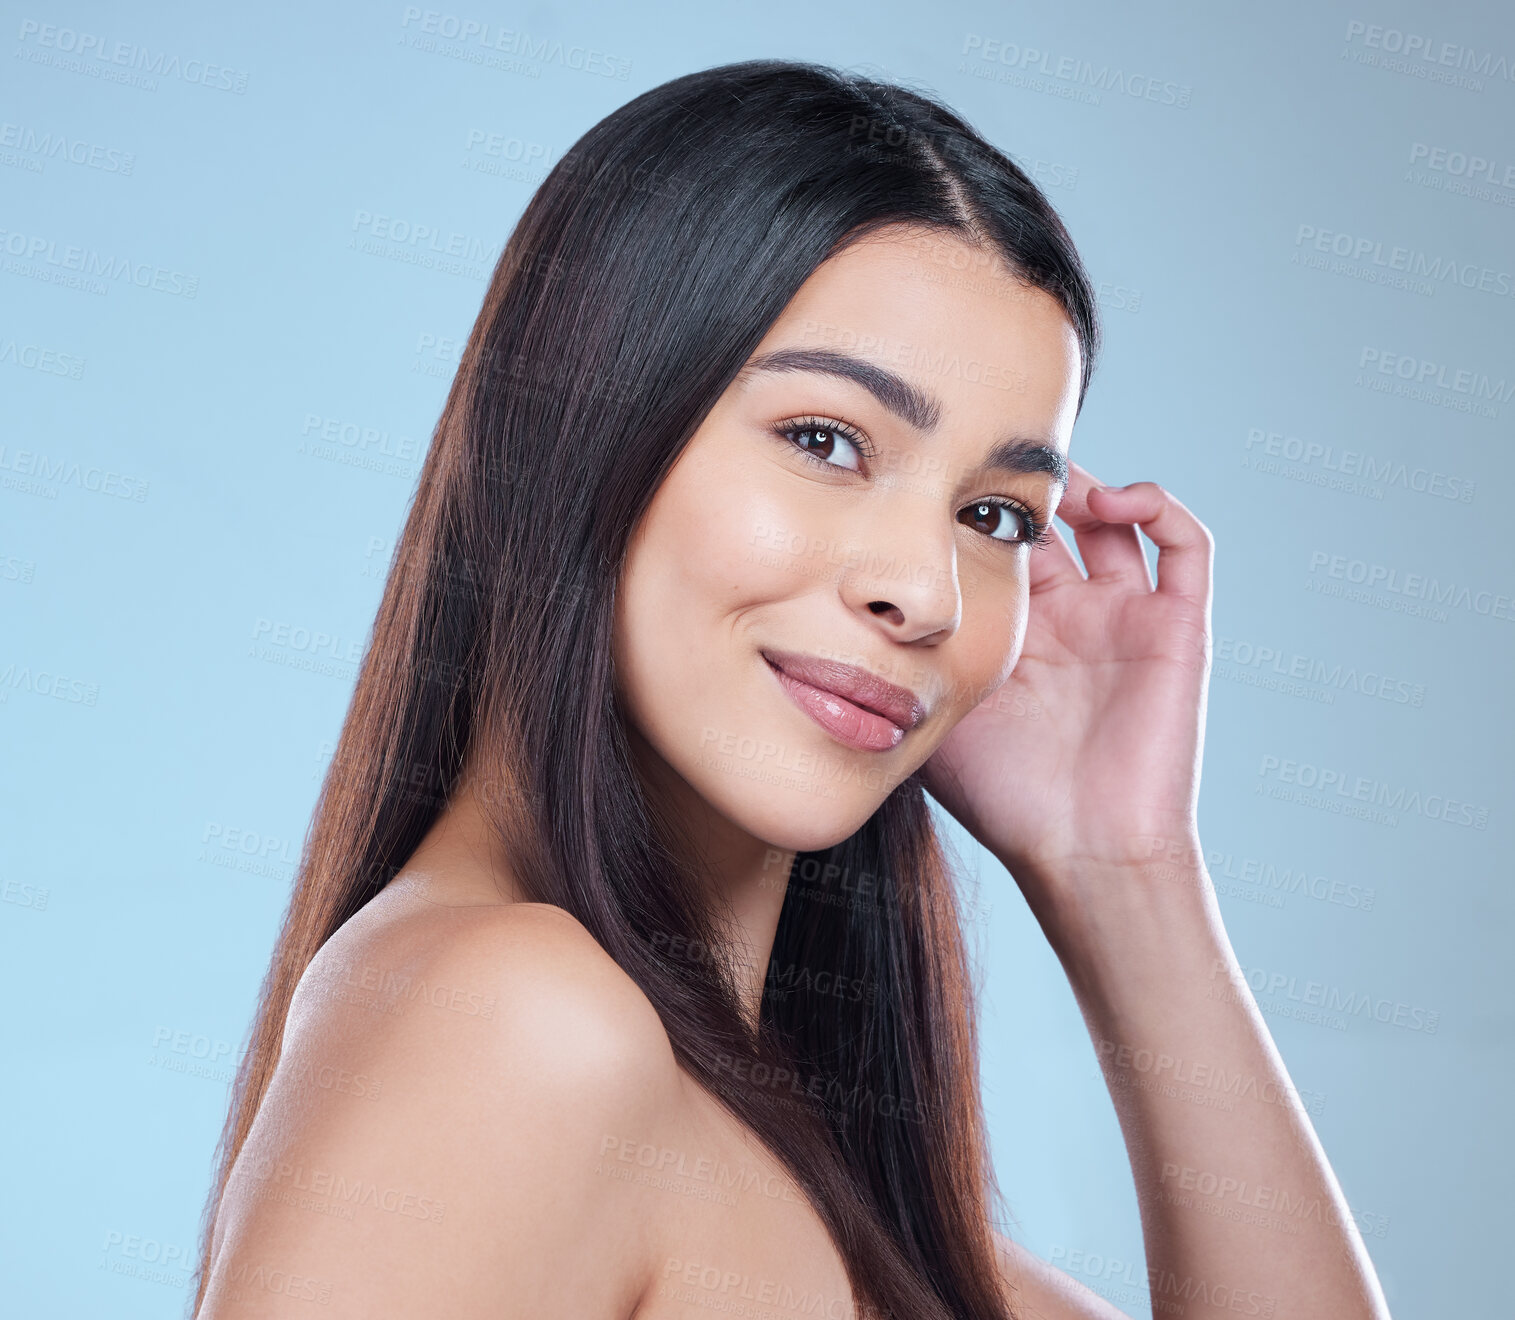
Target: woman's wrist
[[1130, 924]]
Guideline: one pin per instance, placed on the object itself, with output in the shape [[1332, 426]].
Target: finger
[[1185, 548], [1053, 564], [1111, 549]]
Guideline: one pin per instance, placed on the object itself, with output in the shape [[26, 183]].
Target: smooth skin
[[1065, 723]]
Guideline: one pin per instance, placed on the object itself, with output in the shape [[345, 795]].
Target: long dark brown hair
[[641, 276]]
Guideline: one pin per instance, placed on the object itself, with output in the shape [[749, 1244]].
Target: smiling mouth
[[871, 716]]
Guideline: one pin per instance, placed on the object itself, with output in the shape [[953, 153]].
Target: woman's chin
[[806, 818]]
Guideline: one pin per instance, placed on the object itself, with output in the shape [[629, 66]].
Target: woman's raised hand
[[1090, 752]]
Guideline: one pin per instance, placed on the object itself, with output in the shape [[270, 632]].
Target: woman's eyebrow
[[1025, 455], [1020, 454], [896, 393]]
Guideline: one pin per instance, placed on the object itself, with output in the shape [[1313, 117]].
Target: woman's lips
[[844, 720]]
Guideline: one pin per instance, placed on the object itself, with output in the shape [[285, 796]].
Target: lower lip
[[847, 723]]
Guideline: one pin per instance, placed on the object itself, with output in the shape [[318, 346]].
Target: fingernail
[[1112, 490]]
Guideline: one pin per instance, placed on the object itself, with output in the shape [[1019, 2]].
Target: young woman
[[624, 975]]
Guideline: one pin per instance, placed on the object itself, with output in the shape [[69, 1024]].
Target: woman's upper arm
[[430, 1141], [1044, 1292]]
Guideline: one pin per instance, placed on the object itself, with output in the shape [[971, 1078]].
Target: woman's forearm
[[1241, 1213]]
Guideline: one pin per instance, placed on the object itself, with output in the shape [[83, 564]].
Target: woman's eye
[[825, 444], [830, 444], [1002, 522]]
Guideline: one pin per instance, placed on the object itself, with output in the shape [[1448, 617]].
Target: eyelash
[[1040, 532]]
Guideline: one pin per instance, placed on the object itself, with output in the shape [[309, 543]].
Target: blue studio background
[[1300, 216]]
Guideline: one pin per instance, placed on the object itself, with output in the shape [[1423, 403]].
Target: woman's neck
[[461, 862]]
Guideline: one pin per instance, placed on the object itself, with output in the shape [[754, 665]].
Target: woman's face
[[838, 528]]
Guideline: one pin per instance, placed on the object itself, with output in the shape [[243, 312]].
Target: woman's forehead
[[960, 328]]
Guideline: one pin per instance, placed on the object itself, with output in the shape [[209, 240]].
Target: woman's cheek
[[993, 631], [765, 540]]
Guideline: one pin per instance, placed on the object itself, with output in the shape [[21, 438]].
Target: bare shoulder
[[530, 971], [1044, 1292], [431, 1141]]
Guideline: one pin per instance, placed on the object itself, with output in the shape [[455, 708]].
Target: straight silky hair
[[643, 273]]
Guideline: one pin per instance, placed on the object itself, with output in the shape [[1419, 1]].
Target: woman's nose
[[905, 580]]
